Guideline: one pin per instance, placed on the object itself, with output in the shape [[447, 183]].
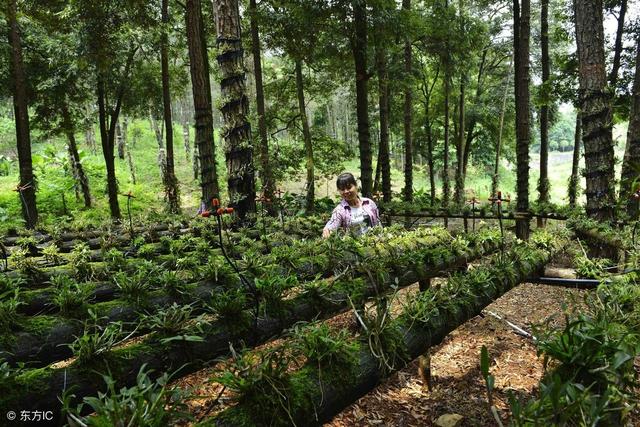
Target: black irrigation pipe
[[39, 389], [567, 283]]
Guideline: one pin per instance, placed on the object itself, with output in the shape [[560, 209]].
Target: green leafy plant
[[591, 268], [135, 287], [271, 291], [229, 305], [115, 259], [383, 338], [10, 284], [80, 261], [96, 341], [260, 380], [175, 323], [147, 251], [148, 403], [9, 303], [52, 254], [21, 261], [28, 243], [324, 346], [69, 296]]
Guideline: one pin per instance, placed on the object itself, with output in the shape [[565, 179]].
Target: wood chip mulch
[[403, 400]]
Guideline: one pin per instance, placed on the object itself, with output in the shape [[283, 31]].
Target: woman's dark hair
[[344, 180]]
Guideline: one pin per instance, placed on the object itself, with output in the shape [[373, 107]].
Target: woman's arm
[[334, 222]]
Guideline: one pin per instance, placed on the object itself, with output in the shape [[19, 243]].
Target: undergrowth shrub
[[148, 403], [69, 296]]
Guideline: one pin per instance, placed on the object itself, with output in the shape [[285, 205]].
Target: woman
[[353, 213]]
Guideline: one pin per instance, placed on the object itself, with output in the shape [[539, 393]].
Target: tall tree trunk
[[235, 109], [78, 171], [408, 117], [266, 175], [495, 181], [574, 179], [445, 166], [204, 157], [186, 138], [522, 28], [459, 186], [107, 151], [306, 135], [473, 122], [359, 47], [617, 50], [171, 189], [132, 169], [119, 141], [595, 103], [383, 103], [26, 190], [632, 151], [543, 184]]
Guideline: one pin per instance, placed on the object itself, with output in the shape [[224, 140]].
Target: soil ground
[[458, 386]]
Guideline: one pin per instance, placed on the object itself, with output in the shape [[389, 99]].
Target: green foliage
[[383, 338], [175, 323], [69, 296], [325, 347], [592, 268], [9, 303], [80, 261], [52, 254], [134, 288], [592, 379], [229, 304], [115, 259], [148, 403], [259, 380], [95, 342], [21, 261], [10, 284], [271, 291]]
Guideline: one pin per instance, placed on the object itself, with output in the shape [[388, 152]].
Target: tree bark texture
[[171, 190], [27, 187], [459, 185], [595, 107], [266, 175], [186, 140], [543, 184], [574, 179], [408, 116], [522, 29], [359, 47], [107, 151], [617, 49], [631, 163], [204, 157], [383, 103], [78, 171], [120, 141], [235, 109], [306, 135]]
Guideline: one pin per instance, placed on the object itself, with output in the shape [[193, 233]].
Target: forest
[[180, 244]]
